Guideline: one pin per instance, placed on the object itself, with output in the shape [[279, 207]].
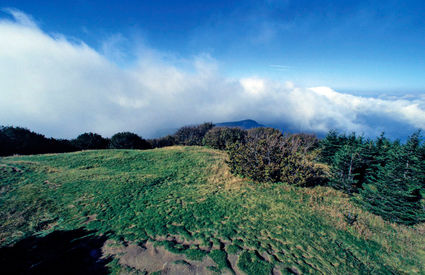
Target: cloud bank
[[63, 88]]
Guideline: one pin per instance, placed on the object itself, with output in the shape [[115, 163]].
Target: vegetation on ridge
[[186, 199], [389, 176]]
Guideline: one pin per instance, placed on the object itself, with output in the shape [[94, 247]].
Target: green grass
[[220, 258], [233, 249], [251, 263], [195, 254], [188, 192]]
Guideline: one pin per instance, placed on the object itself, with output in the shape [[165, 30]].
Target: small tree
[[127, 140], [349, 158], [330, 145]]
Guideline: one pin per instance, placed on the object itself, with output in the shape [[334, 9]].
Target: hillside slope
[[178, 209]]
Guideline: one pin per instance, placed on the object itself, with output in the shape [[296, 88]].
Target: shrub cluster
[[186, 135], [267, 155], [89, 141], [163, 141], [223, 137], [17, 140], [127, 140], [192, 135]]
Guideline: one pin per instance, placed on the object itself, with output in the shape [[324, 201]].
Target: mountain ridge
[[244, 124]]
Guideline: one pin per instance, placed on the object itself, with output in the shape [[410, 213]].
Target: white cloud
[[21, 18], [254, 86], [62, 88]]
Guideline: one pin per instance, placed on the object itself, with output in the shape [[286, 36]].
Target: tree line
[[22, 141], [386, 177], [17, 140]]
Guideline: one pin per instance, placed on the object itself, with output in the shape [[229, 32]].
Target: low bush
[[268, 155], [192, 135], [88, 141], [163, 141], [223, 137], [127, 140]]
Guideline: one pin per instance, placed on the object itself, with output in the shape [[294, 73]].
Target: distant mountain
[[244, 124]]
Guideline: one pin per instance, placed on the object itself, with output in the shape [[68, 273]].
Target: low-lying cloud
[[62, 88]]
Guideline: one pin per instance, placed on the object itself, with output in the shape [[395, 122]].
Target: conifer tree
[[348, 163], [393, 185], [329, 146]]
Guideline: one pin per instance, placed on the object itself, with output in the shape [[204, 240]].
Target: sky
[[68, 67]]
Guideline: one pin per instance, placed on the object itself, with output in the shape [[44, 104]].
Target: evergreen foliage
[[349, 158], [395, 183], [389, 176]]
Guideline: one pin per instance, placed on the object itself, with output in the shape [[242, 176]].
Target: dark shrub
[[127, 140], [263, 133], [5, 144], [90, 141], [267, 155], [259, 157], [192, 135], [22, 141], [162, 141], [222, 137], [60, 146]]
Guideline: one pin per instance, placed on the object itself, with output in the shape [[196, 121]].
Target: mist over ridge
[[60, 88]]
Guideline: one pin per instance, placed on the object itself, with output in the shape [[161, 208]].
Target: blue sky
[[349, 45], [72, 66]]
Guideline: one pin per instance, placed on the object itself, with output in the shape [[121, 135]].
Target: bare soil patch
[[151, 259]]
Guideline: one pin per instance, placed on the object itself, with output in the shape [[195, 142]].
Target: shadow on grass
[[60, 252]]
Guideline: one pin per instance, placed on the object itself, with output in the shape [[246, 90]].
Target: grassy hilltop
[[180, 209]]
